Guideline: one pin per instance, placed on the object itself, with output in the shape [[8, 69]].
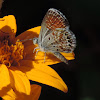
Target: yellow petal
[[51, 59], [35, 91], [8, 24], [15, 95], [10, 95], [69, 56], [43, 74], [35, 29], [29, 34], [19, 81], [4, 80]]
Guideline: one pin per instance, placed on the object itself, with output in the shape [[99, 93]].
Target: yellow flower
[[18, 64]]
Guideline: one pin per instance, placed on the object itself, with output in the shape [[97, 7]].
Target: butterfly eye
[[49, 38]]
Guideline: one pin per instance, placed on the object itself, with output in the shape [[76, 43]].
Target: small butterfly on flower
[[55, 35]]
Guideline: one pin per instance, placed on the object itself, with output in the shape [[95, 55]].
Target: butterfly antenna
[[24, 40]]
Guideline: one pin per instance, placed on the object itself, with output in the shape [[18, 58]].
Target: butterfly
[[55, 35]]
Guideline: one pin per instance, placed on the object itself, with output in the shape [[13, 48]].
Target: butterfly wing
[[52, 20], [55, 34], [62, 40]]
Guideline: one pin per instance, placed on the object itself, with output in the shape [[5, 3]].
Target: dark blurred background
[[82, 75]]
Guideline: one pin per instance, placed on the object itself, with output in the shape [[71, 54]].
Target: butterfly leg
[[37, 53], [35, 49], [44, 56], [61, 57]]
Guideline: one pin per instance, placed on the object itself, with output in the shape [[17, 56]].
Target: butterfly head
[[35, 40]]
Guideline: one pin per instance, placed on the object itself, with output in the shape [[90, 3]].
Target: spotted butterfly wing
[[55, 36], [52, 20]]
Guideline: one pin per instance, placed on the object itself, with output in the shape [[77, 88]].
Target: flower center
[[10, 55]]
